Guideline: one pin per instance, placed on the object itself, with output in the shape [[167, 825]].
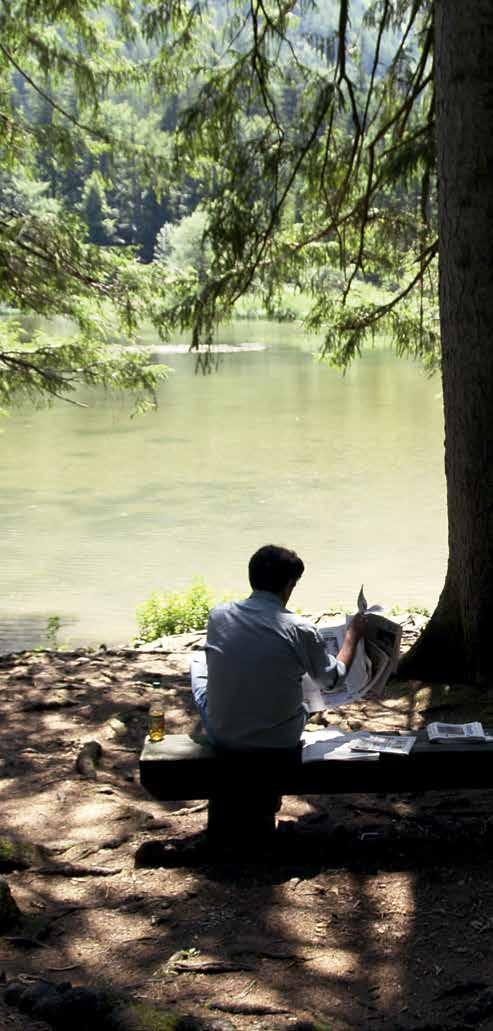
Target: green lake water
[[97, 509]]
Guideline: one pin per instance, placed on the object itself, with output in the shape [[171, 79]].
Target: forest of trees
[[104, 185]]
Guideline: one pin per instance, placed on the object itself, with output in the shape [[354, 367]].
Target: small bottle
[[156, 721]]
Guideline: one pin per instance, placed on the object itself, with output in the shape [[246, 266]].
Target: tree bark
[[457, 644]]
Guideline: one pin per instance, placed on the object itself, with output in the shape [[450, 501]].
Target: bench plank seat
[[180, 768]]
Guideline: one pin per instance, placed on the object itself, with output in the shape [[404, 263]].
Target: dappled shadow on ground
[[370, 912], [434, 830], [364, 927]]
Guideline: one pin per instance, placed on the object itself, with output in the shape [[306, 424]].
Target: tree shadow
[[372, 912], [347, 922]]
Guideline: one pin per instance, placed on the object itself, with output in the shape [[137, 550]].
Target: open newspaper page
[[332, 744], [375, 660], [316, 695], [386, 635]]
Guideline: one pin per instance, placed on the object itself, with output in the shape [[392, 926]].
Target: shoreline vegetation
[[173, 615], [168, 613], [292, 305]]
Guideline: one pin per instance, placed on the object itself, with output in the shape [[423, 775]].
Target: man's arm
[[325, 668]]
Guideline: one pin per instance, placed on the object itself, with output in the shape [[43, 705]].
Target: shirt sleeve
[[320, 664]]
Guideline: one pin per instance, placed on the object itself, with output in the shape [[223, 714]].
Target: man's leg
[[241, 820], [198, 673]]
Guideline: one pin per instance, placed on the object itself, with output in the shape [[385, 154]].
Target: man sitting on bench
[[257, 653]]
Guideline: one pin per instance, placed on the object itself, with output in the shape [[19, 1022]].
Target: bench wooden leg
[[246, 822]]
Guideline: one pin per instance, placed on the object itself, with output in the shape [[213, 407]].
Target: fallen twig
[[91, 847], [75, 870], [60, 970], [183, 962], [248, 1008], [188, 809], [247, 989], [207, 966]]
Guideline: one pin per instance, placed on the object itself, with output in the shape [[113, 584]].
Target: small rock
[[42, 702], [89, 755], [19, 855], [10, 913], [117, 727], [162, 918]]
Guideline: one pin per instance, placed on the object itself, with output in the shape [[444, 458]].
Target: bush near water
[[175, 612]]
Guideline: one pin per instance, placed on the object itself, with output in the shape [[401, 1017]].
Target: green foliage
[[300, 138], [52, 628], [73, 158], [175, 613], [183, 244], [148, 1018], [418, 610], [38, 369]]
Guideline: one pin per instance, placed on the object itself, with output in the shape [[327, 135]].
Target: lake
[[98, 509]]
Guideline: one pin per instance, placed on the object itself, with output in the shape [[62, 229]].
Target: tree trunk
[[457, 644]]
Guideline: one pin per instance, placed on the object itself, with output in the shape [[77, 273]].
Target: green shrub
[[414, 610], [52, 627], [174, 612]]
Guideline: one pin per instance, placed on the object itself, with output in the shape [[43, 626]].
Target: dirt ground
[[377, 914]]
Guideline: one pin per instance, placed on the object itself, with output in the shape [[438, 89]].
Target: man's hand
[[355, 631]]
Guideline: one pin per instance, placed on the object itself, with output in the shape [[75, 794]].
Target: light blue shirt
[[257, 652]]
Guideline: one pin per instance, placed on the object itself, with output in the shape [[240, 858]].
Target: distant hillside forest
[[103, 184]]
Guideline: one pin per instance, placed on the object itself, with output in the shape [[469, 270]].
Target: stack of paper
[[456, 732], [397, 744]]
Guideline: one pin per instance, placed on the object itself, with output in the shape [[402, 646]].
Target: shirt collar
[[267, 598]]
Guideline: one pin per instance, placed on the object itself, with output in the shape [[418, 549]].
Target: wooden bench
[[243, 787]]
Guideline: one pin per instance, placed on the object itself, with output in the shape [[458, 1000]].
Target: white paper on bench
[[332, 744]]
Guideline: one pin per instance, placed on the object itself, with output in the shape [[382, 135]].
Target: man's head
[[275, 569]]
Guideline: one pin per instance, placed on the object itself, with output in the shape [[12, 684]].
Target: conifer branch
[[45, 96]]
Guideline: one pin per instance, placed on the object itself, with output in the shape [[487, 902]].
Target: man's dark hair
[[271, 568]]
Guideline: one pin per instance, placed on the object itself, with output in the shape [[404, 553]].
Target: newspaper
[[332, 744], [397, 744], [375, 659], [456, 732]]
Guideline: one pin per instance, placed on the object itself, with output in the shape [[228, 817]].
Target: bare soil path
[[378, 914]]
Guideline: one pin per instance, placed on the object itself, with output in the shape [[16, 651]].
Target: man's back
[[257, 653]]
